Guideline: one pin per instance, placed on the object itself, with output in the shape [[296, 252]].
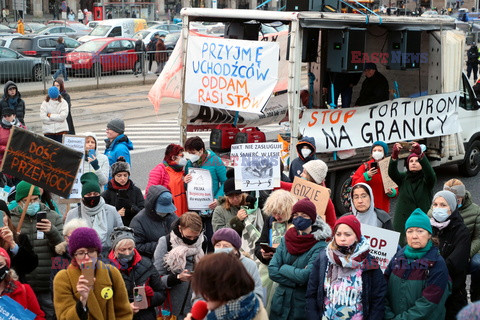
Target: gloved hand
[[149, 291], [416, 149], [396, 150], [95, 164]]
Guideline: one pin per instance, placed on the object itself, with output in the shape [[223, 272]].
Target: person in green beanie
[[417, 276], [100, 216], [43, 235]]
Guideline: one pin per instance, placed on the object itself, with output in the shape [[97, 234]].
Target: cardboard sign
[[76, 143], [319, 195], [388, 183], [12, 310], [257, 165], [389, 121], [383, 243], [199, 190], [41, 161]]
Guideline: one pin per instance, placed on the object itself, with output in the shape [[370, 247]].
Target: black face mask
[[91, 201], [347, 249], [3, 272], [189, 242]]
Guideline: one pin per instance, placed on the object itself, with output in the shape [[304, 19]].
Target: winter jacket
[[413, 193], [67, 300], [177, 188], [142, 272], [291, 272], [71, 127], [26, 260], [223, 218], [374, 90], [60, 261], [382, 200], [131, 199], [217, 169], [160, 56], [374, 289], [296, 167], [103, 172], [39, 278], [57, 122], [140, 46], [384, 218], [265, 237], [158, 177], [472, 55], [470, 213], [417, 290], [119, 147], [4, 135], [454, 246], [23, 294], [150, 226], [18, 104], [20, 27]]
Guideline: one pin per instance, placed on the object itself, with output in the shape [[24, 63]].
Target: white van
[[124, 28]]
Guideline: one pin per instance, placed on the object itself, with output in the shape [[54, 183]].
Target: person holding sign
[[292, 262], [369, 173], [346, 282], [22, 293], [417, 276], [94, 161], [54, 112], [454, 245], [415, 186], [88, 288], [306, 151]]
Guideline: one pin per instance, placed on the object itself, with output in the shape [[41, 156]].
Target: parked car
[[62, 22], [14, 65], [102, 55], [30, 27], [6, 40], [72, 31], [171, 40], [148, 34], [170, 27], [92, 24], [152, 23], [5, 29]]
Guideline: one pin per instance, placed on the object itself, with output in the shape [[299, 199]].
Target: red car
[[102, 55]]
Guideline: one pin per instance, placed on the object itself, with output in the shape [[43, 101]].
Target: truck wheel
[[471, 164], [341, 197]]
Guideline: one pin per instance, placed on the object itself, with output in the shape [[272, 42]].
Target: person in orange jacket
[[20, 26]]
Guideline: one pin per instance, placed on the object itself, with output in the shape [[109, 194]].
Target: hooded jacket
[[119, 147], [296, 167], [18, 104], [103, 172], [292, 272], [131, 199], [149, 226]]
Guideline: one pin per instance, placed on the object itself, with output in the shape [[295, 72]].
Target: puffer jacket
[[57, 122], [131, 199], [19, 104], [119, 147], [150, 226], [296, 167], [470, 213], [4, 135], [39, 278], [158, 176], [217, 169]]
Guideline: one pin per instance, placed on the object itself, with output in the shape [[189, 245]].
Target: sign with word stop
[[41, 161], [383, 243]]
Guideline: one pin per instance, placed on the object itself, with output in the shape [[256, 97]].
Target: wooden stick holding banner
[[24, 209], [317, 194]]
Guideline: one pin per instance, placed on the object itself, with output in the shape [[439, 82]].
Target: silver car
[[13, 65]]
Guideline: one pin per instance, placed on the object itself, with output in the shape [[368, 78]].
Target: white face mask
[[377, 155], [305, 152], [440, 214], [182, 162], [194, 158]]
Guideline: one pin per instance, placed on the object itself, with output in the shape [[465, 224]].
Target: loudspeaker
[[341, 44], [404, 50], [310, 44], [239, 30], [303, 5]]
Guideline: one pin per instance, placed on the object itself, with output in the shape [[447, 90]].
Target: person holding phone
[[122, 193], [89, 288], [144, 287], [94, 161], [370, 174]]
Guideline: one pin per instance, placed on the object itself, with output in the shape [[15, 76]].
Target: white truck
[[429, 61]]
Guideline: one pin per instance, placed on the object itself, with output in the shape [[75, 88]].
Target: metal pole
[[44, 74], [143, 65]]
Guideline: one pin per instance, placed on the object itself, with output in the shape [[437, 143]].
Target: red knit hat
[[306, 206], [352, 222], [4, 254], [172, 151]]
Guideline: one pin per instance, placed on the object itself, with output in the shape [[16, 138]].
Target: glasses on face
[[362, 196], [32, 200], [82, 254]]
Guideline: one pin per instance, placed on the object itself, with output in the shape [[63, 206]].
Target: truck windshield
[[100, 30]]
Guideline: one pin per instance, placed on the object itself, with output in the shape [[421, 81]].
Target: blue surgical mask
[[460, 205], [440, 214], [301, 223], [33, 208], [223, 250]]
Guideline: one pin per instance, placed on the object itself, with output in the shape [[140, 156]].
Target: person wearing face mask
[[154, 221], [346, 282], [102, 217], [22, 293], [122, 193], [43, 236], [417, 276], [306, 151], [175, 258], [454, 244], [169, 174], [371, 175], [53, 113], [13, 99], [292, 262], [136, 271], [95, 161], [365, 210], [415, 187], [9, 120]]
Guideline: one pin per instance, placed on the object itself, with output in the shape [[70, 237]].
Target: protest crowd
[[261, 254]]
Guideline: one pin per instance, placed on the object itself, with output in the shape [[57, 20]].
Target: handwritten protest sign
[[237, 75], [199, 190], [41, 161], [383, 243], [76, 143], [388, 183], [389, 121], [12, 310], [317, 194], [257, 165]]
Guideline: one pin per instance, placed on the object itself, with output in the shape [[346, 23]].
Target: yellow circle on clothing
[[107, 293]]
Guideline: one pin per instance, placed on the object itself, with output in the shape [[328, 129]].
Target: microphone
[[199, 310]]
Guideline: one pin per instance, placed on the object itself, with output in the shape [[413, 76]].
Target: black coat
[[130, 199], [19, 105], [26, 260], [374, 90], [454, 246], [71, 128]]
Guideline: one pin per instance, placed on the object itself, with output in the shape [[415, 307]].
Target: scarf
[[414, 176], [12, 102], [176, 259], [97, 218], [244, 308], [173, 165], [439, 225], [298, 244], [369, 217], [414, 254], [355, 260], [117, 186]]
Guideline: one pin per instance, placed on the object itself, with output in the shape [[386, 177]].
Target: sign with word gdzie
[[319, 195], [383, 243], [76, 143], [199, 190]]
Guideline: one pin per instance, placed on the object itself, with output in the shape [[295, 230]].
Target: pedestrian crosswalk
[[159, 134]]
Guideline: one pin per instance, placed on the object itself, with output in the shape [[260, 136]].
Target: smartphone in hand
[[88, 272], [374, 165], [140, 298], [267, 248], [41, 215]]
